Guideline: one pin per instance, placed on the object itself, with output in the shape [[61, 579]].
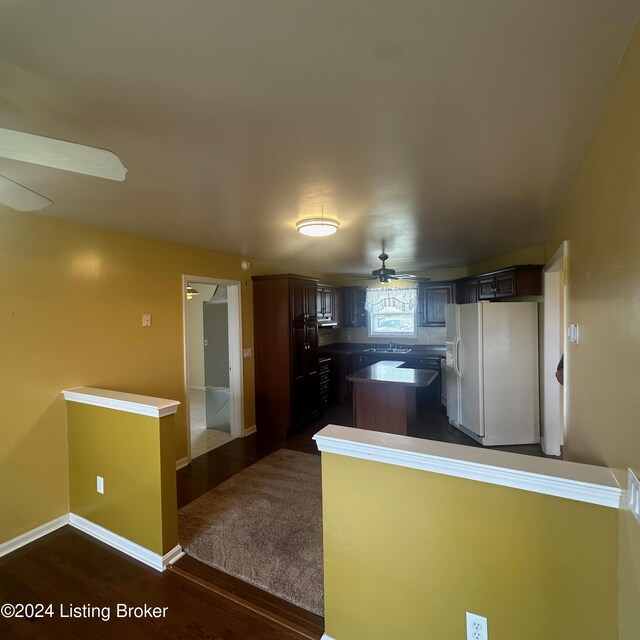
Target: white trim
[[180, 464], [581, 482], [151, 559], [236, 376], [32, 535], [554, 396], [120, 401], [249, 430], [326, 637]]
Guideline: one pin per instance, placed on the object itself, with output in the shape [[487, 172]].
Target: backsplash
[[426, 335]]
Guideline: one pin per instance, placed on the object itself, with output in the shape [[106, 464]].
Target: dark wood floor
[[68, 567]]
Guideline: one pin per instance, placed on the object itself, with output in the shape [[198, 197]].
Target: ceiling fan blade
[[411, 278], [17, 197], [60, 154]]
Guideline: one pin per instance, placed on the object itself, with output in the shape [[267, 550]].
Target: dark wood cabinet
[[432, 299], [524, 280], [513, 282], [466, 291], [353, 311], [324, 376], [303, 300], [286, 351], [325, 301]]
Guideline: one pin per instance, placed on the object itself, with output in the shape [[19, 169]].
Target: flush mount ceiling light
[[317, 227]]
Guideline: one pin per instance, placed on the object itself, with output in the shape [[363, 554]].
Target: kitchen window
[[392, 312]]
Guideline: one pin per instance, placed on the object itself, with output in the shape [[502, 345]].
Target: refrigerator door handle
[[456, 355]]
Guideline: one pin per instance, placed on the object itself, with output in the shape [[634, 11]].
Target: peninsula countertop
[[393, 372]]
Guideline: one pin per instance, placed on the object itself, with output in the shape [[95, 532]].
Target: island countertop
[[392, 372]]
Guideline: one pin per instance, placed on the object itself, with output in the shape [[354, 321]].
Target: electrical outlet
[[146, 319], [99, 484], [246, 353], [476, 627], [633, 494]]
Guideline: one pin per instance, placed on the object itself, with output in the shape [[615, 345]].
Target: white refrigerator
[[492, 371]]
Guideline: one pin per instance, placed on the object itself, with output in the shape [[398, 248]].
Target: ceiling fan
[[384, 274], [49, 152]]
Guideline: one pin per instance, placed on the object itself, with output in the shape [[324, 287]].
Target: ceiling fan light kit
[[317, 227]]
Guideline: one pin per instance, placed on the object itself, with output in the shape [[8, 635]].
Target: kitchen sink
[[387, 350]]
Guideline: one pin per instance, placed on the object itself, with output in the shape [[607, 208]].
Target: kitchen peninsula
[[384, 395]]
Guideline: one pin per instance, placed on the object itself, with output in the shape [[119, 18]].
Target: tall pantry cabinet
[[286, 351]]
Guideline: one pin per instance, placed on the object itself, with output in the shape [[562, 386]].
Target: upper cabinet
[[467, 290], [432, 299], [303, 299], [326, 301], [353, 311], [513, 282]]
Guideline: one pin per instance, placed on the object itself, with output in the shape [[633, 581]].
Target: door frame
[[555, 295], [236, 377]]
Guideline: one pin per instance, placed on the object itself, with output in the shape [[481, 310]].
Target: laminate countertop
[[392, 372]]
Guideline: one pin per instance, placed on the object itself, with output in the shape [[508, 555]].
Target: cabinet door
[[473, 291], [320, 301], [486, 288], [505, 284], [297, 293], [310, 295], [311, 349], [328, 302], [433, 300], [360, 315], [336, 303], [298, 350], [347, 294]]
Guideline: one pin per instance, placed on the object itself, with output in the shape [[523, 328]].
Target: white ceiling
[[447, 128]]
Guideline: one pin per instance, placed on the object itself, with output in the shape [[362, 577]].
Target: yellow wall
[[408, 552], [134, 454], [601, 220], [72, 297]]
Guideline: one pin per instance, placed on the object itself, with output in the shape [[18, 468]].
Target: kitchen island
[[384, 395]]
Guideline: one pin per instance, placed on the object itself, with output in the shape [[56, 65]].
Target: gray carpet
[[264, 525]]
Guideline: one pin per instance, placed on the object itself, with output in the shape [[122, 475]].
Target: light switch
[[633, 494], [574, 333], [246, 353], [146, 319], [99, 484]]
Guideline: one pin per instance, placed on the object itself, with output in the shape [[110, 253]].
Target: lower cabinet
[[324, 378]]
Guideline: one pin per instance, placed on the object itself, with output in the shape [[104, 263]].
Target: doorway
[[554, 395], [213, 363]]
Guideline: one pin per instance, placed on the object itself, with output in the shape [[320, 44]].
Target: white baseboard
[[33, 534], [183, 462], [151, 559], [249, 430]]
